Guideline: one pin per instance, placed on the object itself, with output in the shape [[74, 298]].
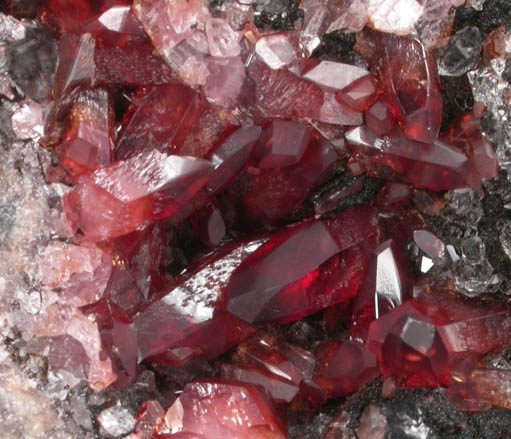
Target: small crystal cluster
[[203, 172]]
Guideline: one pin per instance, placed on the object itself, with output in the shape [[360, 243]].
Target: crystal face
[[242, 223]]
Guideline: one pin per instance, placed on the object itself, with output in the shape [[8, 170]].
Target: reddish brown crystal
[[88, 143], [359, 95], [409, 76], [282, 143], [274, 193], [344, 367], [414, 350], [302, 270]]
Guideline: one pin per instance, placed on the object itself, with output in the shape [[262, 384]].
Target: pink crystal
[[28, 122], [394, 16], [134, 193], [225, 81], [206, 408], [373, 424], [82, 273], [169, 22], [222, 39], [276, 50], [333, 74]]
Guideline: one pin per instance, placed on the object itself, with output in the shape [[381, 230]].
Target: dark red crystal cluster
[[166, 120]]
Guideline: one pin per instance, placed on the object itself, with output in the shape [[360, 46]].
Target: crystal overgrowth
[[212, 169]]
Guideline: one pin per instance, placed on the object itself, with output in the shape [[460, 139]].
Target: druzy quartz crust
[[257, 220]]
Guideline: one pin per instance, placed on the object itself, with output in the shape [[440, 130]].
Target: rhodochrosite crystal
[[134, 193], [218, 409], [306, 268]]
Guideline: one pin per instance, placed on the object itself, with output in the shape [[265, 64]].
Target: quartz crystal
[[461, 54]]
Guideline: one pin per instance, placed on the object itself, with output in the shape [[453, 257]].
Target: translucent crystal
[[465, 205], [505, 238], [461, 53], [116, 420], [473, 249], [473, 279]]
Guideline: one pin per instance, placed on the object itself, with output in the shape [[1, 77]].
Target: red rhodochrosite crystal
[[217, 409], [359, 95], [138, 272], [299, 275], [435, 166], [159, 118], [134, 193], [281, 368], [88, 142], [379, 118], [280, 389], [463, 326], [334, 75], [231, 155], [148, 417], [282, 143], [343, 367], [180, 324], [276, 192], [413, 349], [116, 26], [386, 285], [209, 225], [410, 80], [282, 94]]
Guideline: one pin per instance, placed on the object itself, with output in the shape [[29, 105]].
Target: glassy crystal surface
[[223, 410], [461, 53], [133, 194]]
